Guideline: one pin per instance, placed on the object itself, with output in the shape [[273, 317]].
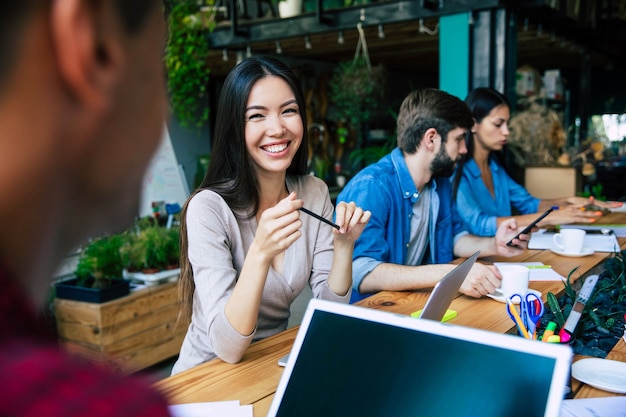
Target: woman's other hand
[[351, 220]]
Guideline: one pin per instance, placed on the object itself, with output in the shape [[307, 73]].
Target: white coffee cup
[[569, 240], [514, 280]]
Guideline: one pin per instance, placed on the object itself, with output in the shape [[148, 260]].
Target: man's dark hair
[[12, 16], [134, 12], [430, 108]]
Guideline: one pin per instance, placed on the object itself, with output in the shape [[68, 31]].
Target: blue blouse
[[479, 209]]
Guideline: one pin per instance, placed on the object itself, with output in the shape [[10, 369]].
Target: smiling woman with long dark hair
[[247, 250]]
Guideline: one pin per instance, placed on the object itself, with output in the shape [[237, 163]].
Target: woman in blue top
[[485, 192]]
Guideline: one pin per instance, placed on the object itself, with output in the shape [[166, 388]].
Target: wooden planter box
[[127, 334]]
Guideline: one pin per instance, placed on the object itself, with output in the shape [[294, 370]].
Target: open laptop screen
[[351, 366]]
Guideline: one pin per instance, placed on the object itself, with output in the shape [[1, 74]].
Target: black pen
[[320, 218]]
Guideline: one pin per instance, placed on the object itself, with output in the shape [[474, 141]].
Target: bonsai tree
[[100, 261]]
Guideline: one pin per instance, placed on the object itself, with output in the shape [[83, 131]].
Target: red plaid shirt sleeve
[[37, 379]]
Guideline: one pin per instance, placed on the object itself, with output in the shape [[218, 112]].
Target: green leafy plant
[[358, 91], [596, 191], [602, 319], [172, 246], [100, 261], [186, 60], [149, 246]]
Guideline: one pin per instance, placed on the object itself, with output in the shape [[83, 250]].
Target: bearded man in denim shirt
[[415, 230]]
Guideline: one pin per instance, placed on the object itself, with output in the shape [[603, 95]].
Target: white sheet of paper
[[593, 407], [599, 243], [539, 274], [211, 409]]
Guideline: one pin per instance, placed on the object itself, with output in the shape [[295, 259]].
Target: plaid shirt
[[36, 379]]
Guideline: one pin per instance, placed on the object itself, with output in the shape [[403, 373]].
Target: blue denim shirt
[[479, 209], [388, 191]]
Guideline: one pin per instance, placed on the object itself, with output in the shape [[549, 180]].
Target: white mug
[[569, 240], [515, 280]]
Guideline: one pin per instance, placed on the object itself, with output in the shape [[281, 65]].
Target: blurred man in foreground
[[82, 106]]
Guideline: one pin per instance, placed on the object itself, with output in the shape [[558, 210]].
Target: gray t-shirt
[[218, 244], [418, 242]]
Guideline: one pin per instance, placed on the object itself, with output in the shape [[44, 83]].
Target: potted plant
[[99, 272], [150, 254], [601, 324]]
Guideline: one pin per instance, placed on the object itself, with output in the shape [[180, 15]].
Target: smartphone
[[528, 228]]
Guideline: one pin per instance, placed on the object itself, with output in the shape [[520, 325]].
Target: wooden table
[[255, 378]]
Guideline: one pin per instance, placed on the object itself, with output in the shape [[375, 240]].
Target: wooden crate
[[127, 334]]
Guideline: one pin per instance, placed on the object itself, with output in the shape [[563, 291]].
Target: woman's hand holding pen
[[351, 220], [278, 227]]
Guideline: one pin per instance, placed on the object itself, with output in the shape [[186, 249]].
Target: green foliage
[[186, 56], [101, 261], [596, 191], [553, 303], [150, 246], [357, 90], [604, 308], [615, 269]]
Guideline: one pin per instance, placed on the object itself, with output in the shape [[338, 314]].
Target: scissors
[[530, 311]]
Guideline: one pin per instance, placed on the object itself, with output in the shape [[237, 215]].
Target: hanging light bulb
[[307, 43], [381, 32], [224, 55], [340, 39], [248, 51], [279, 49]]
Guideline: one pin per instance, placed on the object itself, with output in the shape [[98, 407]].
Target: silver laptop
[[446, 289], [355, 361]]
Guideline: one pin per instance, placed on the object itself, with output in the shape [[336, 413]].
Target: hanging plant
[[357, 88], [186, 55]]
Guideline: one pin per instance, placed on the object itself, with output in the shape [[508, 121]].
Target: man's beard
[[442, 165]]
